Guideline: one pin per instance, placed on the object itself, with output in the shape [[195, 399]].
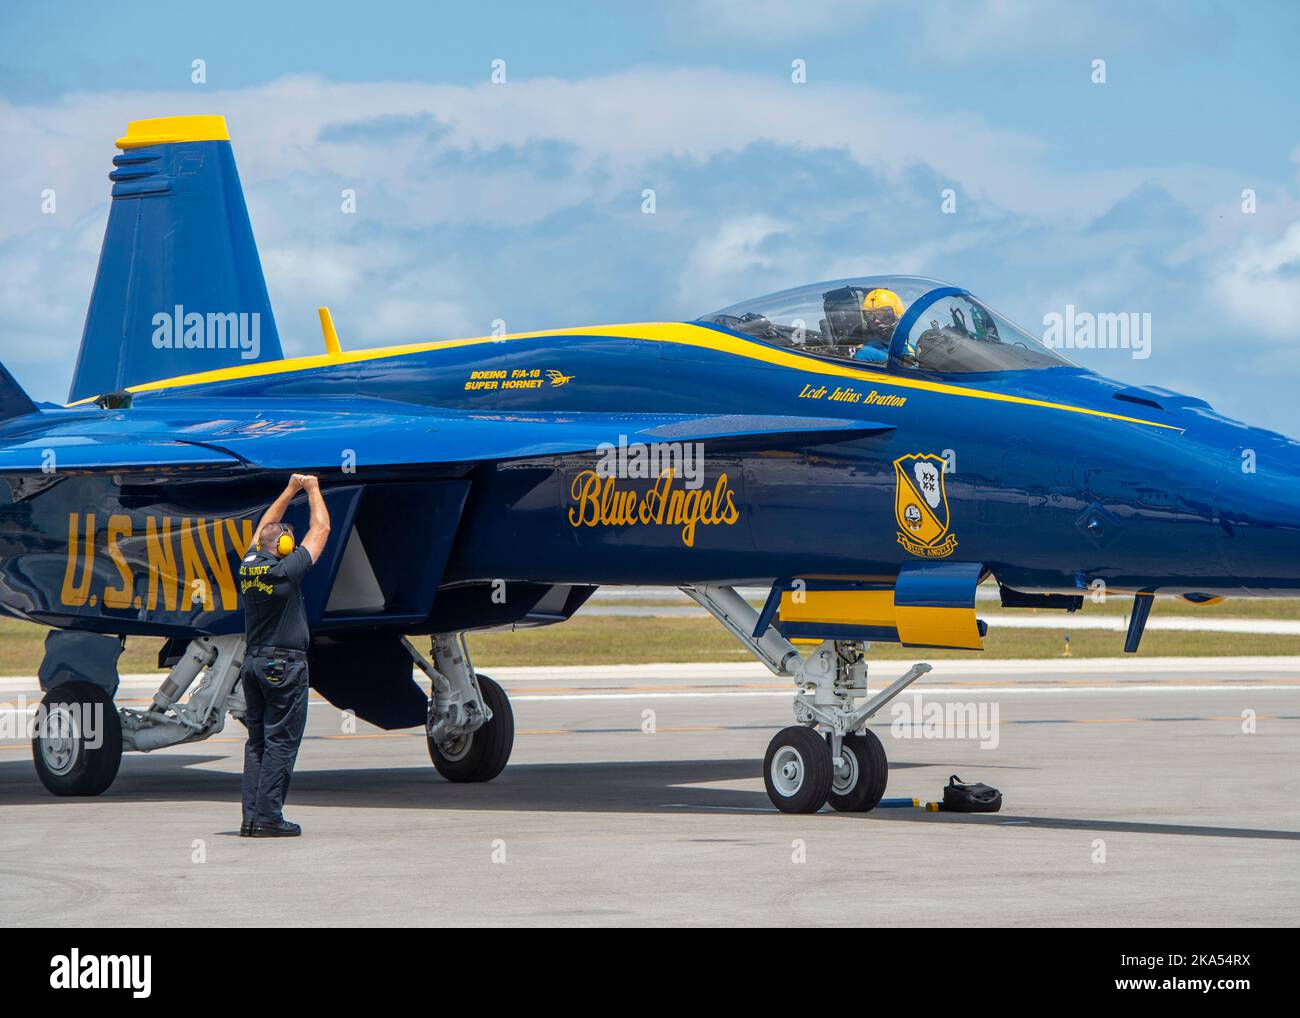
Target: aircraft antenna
[[331, 337]]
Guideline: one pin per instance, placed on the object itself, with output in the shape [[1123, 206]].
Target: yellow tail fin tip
[[170, 130]]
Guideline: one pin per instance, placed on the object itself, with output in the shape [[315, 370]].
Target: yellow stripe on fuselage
[[677, 333]]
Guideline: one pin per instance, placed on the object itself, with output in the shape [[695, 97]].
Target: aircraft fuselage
[[1055, 480]]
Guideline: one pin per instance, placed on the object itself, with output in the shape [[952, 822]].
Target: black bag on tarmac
[[972, 798]]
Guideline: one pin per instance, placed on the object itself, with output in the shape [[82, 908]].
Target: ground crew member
[[275, 656]]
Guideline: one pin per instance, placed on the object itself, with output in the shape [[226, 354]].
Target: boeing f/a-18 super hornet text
[[869, 449]]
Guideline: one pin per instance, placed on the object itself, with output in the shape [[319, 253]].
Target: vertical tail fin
[[179, 287]]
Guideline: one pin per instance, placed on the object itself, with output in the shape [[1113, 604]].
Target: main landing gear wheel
[[482, 754], [859, 782], [797, 770], [77, 747]]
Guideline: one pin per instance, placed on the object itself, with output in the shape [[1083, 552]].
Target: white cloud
[[955, 31], [618, 126], [775, 21], [721, 262], [1261, 284]]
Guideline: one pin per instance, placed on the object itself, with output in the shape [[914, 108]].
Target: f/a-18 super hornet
[[869, 450]]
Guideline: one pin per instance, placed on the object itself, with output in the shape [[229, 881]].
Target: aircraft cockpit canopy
[[903, 322]]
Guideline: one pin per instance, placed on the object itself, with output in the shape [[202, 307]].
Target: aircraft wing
[[307, 437]]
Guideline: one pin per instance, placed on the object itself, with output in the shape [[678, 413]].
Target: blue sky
[[523, 201]]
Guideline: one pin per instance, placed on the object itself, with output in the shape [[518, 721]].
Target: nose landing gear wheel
[[77, 747], [859, 782], [481, 755], [797, 770]]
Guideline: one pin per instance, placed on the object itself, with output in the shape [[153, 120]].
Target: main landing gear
[[471, 728], [80, 734], [828, 756], [77, 745]]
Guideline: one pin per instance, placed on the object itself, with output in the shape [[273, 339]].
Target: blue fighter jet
[[869, 450]]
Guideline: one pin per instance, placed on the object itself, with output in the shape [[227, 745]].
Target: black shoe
[[246, 829], [279, 829]]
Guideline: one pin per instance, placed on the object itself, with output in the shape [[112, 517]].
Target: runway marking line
[[695, 729]]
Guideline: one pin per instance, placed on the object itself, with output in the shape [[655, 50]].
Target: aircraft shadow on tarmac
[[641, 786]]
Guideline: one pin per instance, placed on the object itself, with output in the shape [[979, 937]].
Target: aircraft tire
[[481, 755], [859, 785], [797, 770], [66, 761]]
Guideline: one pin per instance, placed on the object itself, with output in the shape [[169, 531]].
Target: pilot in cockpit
[[866, 320], [881, 310]]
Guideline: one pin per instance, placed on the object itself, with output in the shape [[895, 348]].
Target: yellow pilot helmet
[[880, 298]]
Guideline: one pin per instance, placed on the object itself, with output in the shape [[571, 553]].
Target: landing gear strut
[[828, 756]]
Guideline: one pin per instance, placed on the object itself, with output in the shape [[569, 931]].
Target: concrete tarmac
[[1160, 794]]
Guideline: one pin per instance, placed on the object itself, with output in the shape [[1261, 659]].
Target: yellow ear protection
[[284, 543]]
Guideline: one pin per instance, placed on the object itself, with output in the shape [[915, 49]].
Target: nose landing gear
[[804, 769], [859, 782], [797, 770]]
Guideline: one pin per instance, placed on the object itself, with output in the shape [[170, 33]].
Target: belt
[[285, 652]]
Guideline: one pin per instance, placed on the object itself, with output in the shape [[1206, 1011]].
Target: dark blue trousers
[[275, 695]]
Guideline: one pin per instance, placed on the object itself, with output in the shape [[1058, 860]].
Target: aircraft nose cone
[[1259, 515]]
